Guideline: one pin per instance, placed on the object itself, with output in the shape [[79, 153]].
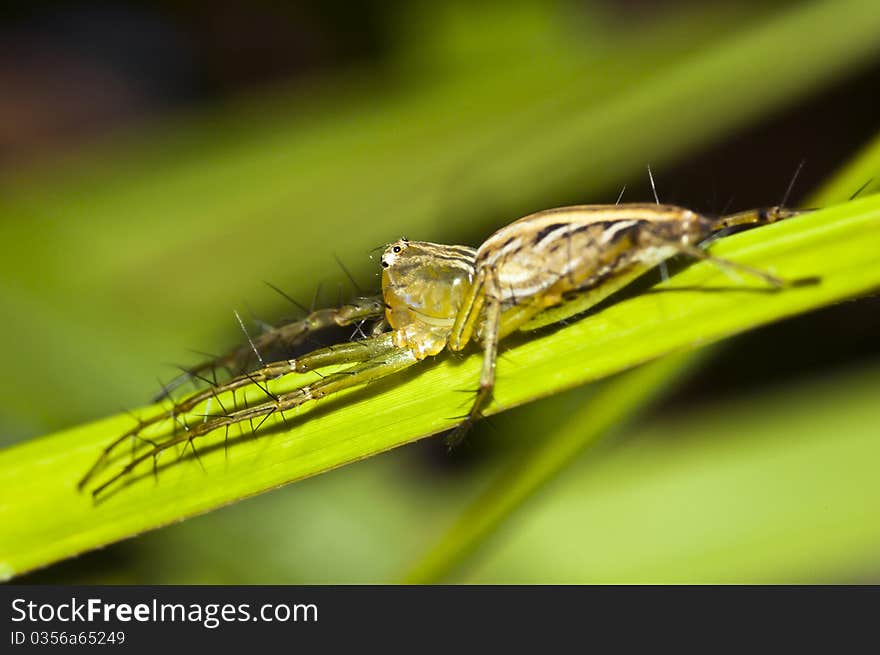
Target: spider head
[[394, 252]]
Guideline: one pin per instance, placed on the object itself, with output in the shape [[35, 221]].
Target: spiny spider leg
[[750, 217], [346, 353], [754, 217], [497, 324], [289, 334], [422, 286], [388, 362], [480, 303], [698, 253]]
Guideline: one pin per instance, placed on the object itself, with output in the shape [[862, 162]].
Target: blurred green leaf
[[773, 488]]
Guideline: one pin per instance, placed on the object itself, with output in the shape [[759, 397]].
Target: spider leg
[[386, 363], [288, 334], [698, 253], [497, 325], [346, 353], [485, 302], [754, 217], [468, 315], [489, 339]]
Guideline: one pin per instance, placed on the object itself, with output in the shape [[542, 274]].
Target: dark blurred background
[[75, 72], [72, 72]]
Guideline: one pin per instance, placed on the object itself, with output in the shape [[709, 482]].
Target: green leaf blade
[[39, 478]]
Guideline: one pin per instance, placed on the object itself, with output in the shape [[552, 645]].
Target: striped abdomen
[[544, 256]]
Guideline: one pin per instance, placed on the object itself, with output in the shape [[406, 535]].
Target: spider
[[539, 270]]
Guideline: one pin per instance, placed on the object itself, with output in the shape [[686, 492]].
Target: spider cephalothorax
[[423, 287], [538, 270]]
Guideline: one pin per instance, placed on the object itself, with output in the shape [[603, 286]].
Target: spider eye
[[396, 249], [384, 264]]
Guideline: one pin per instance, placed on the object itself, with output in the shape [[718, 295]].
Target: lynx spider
[[538, 270]]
